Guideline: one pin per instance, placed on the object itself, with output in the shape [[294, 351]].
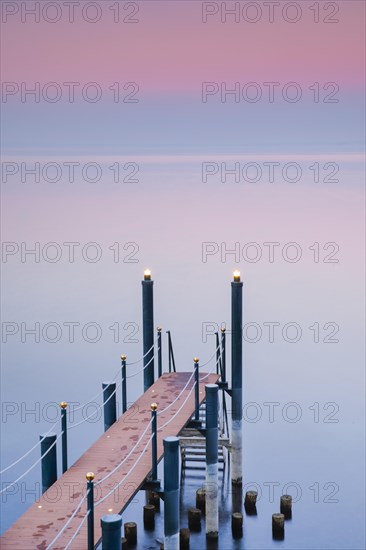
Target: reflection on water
[[303, 393]]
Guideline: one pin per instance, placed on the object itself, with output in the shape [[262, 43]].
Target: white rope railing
[[178, 396], [180, 408], [212, 356], [143, 357], [143, 368], [33, 466], [30, 450], [71, 426], [208, 374], [69, 520], [126, 457], [91, 400], [77, 531], [126, 476], [113, 380]]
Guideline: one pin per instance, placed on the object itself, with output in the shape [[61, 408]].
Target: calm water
[[304, 329]]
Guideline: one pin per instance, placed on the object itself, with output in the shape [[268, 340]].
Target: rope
[[180, 408], [147, 364], [77, 409], [126, 457], [143, 357], [88, 417], [30, 450], [77, 531], [31, 468], [189, 379], [212, 356], [208, 374], [69, 520], [178, 396], [113, 379], [96, 395], [126, 476]]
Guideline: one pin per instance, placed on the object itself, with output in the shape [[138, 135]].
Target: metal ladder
[[193, 445]]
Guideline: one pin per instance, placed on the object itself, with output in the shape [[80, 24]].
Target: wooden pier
[[37, 528]]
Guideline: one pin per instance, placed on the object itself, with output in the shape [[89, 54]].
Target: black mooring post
[[223, 354], [212, 435], [148, 328], [63, 406], [171, 493], [49, 460], [154, 442], [160, 353], [236, 376], [169, 351], [217, 353], [124, 383], [90, 507], [196, 390], [109, 404]]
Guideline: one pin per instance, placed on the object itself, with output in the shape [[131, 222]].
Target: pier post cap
[[278, 518], [196, 360], [171, 442], [236, 275], [158, 329], [154, 406], [147, 275], [90, 476], [63, 404], [123, 357], [111, 522], [213, 388]]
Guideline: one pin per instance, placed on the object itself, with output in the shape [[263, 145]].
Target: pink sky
[[170, 49]]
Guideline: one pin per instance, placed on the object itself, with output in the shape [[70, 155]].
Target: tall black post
[[90, 508], [109, 404], [212, 441], [148, 328], [160, 353], [49, 460], [124, 384], [171, 493], [236, 377], [196, 390], [63, 406], [223, 354], [154, 442]]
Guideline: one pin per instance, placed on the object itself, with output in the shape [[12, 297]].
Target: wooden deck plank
[[37, 527]]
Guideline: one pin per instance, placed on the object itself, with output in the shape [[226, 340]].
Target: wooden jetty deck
[[38, 526]]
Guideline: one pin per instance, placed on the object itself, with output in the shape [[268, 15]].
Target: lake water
[[303, 325]]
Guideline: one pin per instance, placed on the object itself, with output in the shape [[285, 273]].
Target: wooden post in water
[[278, 526], [286, 506], [131, 533], [236, 378]]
